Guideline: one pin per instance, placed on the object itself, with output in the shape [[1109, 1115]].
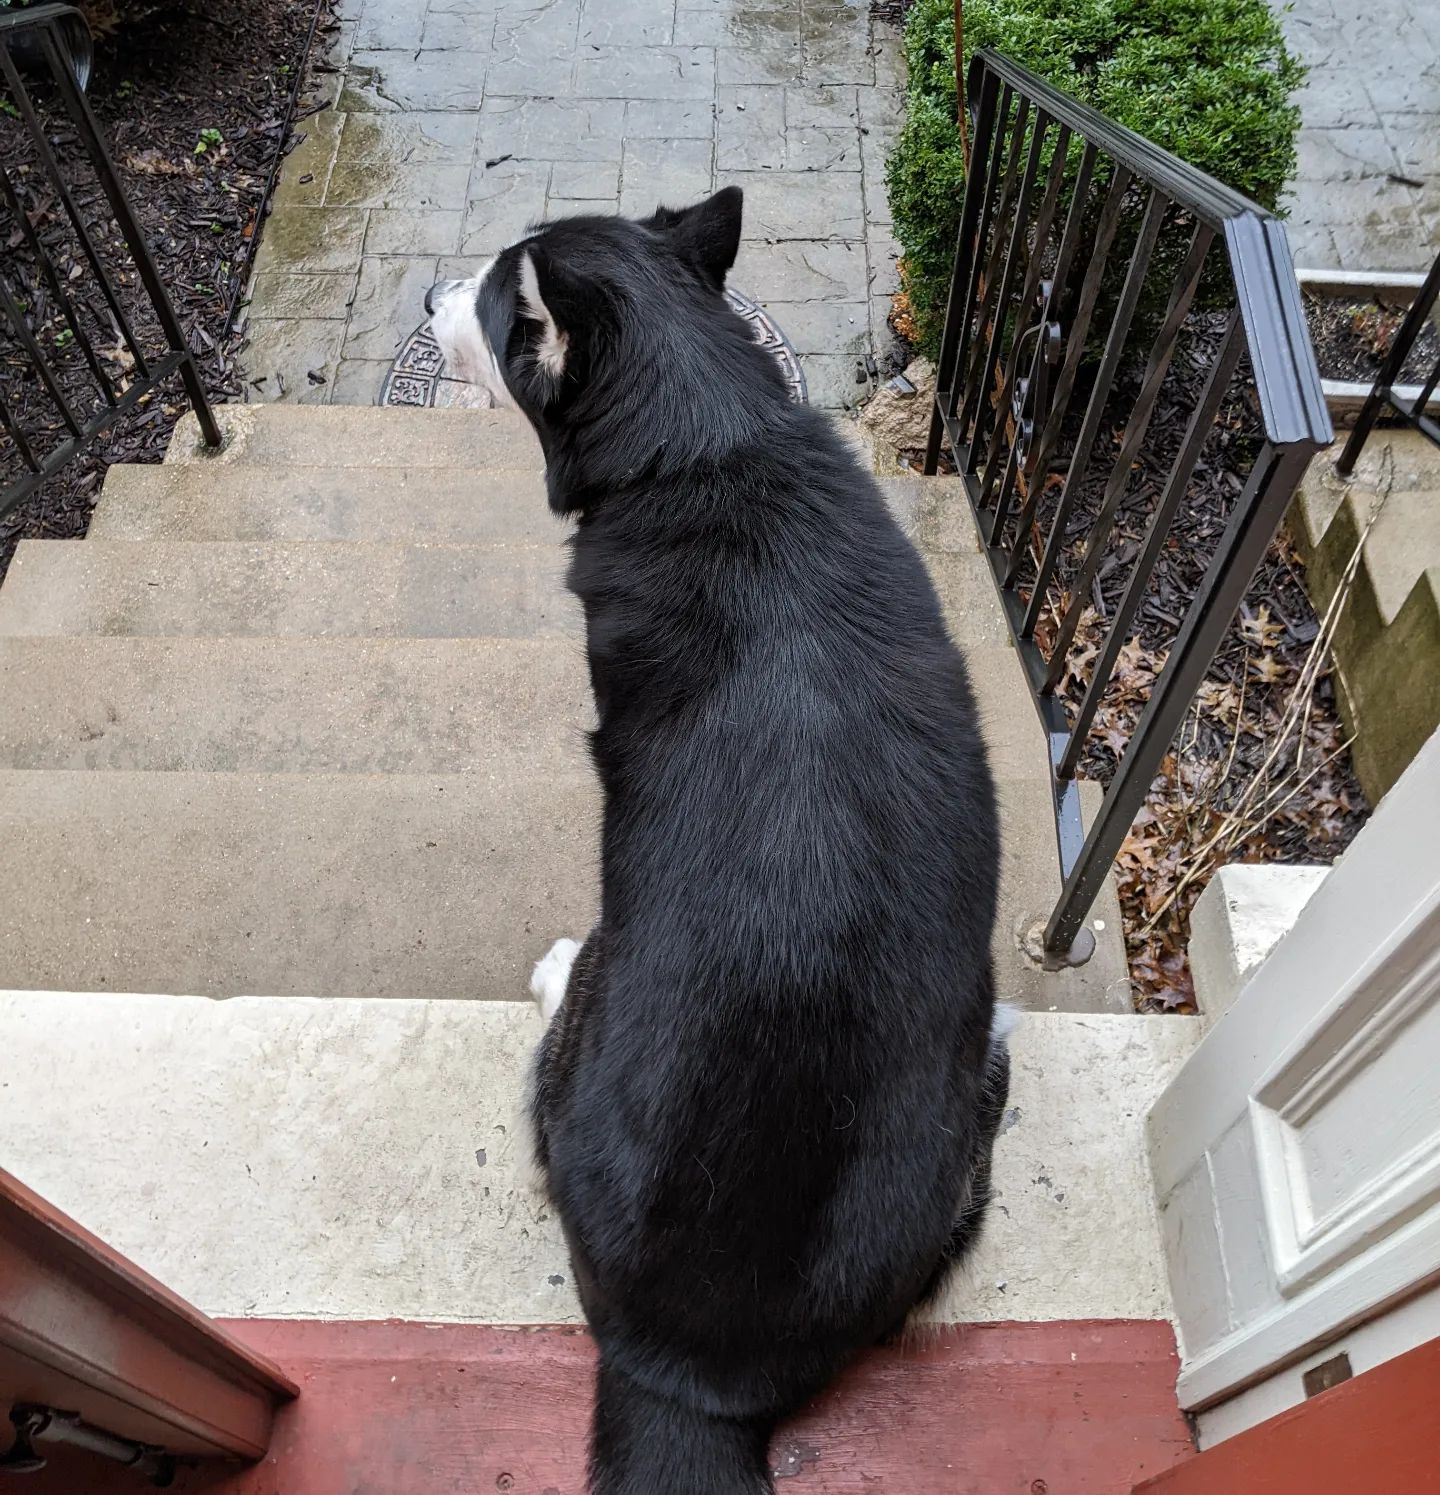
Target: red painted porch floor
[[1070, 1408]]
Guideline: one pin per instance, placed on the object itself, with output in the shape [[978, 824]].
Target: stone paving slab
[[1367, 188], [456, 124]]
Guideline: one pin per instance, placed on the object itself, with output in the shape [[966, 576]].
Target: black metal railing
[[80, 343], [1086, 257], [1386, 391]]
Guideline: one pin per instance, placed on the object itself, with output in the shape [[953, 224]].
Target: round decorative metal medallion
[[417, 377]]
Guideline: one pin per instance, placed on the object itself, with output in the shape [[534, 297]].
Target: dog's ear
[[708, 234], [544, 300]]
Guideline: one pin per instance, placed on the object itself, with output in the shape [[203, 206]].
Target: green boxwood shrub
[[1210, 80]]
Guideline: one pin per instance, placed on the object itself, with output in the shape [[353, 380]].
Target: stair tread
[[406, 504], [347, 589], [361, 705], [360, 1161], [358, 436], [371, 884], [409, 504]]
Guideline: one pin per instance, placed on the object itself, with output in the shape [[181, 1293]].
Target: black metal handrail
[[45, 59], [1411, 409], [1040, 326]]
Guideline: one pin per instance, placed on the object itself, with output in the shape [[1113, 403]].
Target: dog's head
[[589, 321]]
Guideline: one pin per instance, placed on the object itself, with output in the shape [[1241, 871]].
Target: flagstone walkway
[[452, 124]]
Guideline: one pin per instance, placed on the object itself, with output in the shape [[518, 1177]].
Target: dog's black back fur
[[767, 1105]]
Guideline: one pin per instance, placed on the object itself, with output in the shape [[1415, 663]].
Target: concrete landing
[[344, 1159]]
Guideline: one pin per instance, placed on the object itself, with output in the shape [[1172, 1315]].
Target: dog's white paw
[[552, 975]]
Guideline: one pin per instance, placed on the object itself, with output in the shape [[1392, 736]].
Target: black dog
[[766, 1104]]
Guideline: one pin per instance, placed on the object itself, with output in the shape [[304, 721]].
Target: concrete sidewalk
[[453, 124], [1367, 188]]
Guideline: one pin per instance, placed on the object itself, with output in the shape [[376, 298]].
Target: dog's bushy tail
[[644, 1444]]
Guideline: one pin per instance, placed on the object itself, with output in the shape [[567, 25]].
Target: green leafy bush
[[1209, 80]]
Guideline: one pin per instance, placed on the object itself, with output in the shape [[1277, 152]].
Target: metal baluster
[[1075, 335], [62, 191], [1001, 315], [1382, 392], [1114, 348], [1202, 419], [1034, 262], [12, 427], [983, 84], [57, 286], [1252, 525], [21, 329], [970, 381], [1069, 242], [139, 249], [1162, 350]]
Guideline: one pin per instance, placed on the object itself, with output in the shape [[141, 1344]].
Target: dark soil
[[1352, 339], [192, 104]]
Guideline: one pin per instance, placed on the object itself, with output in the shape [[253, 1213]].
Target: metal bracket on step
[[35, 1424], [1032, 945]]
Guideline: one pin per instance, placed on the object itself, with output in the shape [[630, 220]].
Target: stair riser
[[360, 436], [403, 506], [298, 885], [375, 885], [239, 589], [347, 705]]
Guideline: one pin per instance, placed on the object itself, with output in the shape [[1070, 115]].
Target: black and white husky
[[766, 1097]]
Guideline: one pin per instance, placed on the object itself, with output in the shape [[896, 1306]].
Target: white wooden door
[[1296, 1155]]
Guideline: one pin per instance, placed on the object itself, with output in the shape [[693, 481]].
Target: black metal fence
[[1086, 257], [75, 354], [1410, 408]]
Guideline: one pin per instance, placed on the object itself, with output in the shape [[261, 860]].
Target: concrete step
[[345, 589], [409, 505], [513, 707], [1392, 612], [405, 505], [377, 885], [297, 884], [381, 705], [354, 1160], [361, 436], [264, 589]]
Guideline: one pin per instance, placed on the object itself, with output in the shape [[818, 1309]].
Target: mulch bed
[[192, 103], [1353, 337]]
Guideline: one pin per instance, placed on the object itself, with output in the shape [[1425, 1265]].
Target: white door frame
[[1296, 1154]]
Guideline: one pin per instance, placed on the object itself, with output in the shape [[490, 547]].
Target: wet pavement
[[453, 124], [1367, 194]]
